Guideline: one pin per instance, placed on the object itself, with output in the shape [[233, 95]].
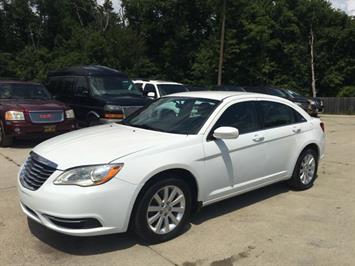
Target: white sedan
[[158, 166]]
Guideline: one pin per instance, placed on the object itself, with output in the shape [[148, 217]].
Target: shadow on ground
[[108, 243]]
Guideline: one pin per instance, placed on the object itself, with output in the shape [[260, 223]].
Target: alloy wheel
[[307, 169], [166, 209]]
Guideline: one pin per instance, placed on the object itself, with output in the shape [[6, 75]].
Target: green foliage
[[266, 41], [347, 91]]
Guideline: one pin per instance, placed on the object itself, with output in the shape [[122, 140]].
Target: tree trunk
[[221, 48], [311, 44]]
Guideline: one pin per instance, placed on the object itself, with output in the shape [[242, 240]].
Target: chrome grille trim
[[58, 116], [36, 171]]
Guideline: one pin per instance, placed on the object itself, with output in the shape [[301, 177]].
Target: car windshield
[[179, 115], [113, 86], [23, 91], [166, 89]]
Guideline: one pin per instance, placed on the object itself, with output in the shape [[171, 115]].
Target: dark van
[[97, 94]]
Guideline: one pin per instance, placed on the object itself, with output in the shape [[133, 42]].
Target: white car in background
[[154, 169], [157, 88]]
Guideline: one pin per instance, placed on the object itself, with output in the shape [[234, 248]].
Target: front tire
[[305, 171], [163, 210]]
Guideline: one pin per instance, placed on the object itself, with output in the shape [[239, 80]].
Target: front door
[[234, 165]]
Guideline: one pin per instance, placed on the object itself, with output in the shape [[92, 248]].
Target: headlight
[[69, 114], [88, 175], [112, 108], [14, 116]]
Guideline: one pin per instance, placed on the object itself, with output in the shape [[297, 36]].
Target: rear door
[[282, 126]]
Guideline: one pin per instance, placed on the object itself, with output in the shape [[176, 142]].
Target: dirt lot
[[271, 226]]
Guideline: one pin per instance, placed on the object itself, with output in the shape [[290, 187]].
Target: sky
[[346, 5]]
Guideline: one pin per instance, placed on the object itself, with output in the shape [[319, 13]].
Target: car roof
[[157, 82], [90, 70], [213, 95], [10, 81]]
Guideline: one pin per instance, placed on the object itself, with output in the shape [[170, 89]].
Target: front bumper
[[109, 204], [27, 129]]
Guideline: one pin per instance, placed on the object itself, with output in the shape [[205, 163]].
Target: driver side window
[[242, 116]]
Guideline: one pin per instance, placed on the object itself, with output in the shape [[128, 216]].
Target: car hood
[[32, 105], [101, 145]]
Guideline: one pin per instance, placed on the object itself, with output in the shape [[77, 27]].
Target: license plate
[[48, 129]]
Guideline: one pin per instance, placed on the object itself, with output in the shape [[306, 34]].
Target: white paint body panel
[[221, 168]]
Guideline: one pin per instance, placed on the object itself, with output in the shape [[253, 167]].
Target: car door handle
[[296, 130], [258, 138]]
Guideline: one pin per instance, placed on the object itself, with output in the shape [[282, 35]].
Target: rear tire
[[160, 217], [5, 141], [305, 171]]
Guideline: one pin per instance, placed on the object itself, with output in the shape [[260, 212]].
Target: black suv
[[97, 94], [309, 105]]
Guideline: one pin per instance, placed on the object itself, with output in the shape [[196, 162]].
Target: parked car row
[[156, 88], [312, 106], [157, 165], [92, 95]]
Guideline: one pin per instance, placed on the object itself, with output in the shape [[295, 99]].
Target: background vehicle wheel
[[163, 210], [92, 121], [305, 171], [5, 141]]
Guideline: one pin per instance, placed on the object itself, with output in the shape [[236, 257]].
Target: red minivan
[[28, 110]]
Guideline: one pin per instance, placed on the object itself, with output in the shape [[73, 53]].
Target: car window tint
[[276, 114], [149, 88], [81, 88], [64, 87], [241, 116], [298, 117], [139, 85]]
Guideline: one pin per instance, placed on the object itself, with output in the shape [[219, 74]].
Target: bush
[[347, 91]]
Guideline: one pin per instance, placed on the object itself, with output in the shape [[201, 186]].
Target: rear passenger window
[[81, 88], [241, 116], [298, 117], [277, 114], [66, 87]]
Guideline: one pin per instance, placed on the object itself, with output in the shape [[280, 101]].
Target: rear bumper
[[27, 129]]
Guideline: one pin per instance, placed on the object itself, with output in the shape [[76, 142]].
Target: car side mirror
[[226, 133], [151, 94]]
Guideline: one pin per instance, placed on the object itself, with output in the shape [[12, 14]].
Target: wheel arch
[[179, 173], [312, 146]]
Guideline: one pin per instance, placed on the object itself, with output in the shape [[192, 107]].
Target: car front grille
[[128, 110], [42, 117], [36, 171]]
